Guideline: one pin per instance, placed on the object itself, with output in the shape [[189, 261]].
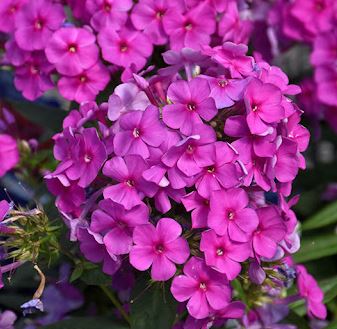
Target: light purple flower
[[117, 224], [160, 247], [7, 320], [191, 102]]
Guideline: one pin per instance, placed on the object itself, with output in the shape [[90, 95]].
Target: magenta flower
[[326, 77], [200, 209], [188, 154], [263, 104], [33, 77], [93, 249], [204, 288], [4, 209], [192, 29], [36, 22], [230, 214], [269, 232], [311, 292], [108, 13], [131, 187], [8, 11], [125, 47], [126, 97], [191, 102], [147, 15], [86, 85], [219, 170], [160, 247], [139, 130], [14, 54], [163, 195], [116, 224], [222, 254], [325, 49], [9, 153], [72, 50], [89, 157]]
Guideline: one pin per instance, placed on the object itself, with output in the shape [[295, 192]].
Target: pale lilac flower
[[204, 288], [86, 85], [72, 50], [269, 232], [222, 254], [160, 247], [36, 22], [108, 13], [9, 153], [230, 214], [139, 130], [116, 224], [191, 29], [131, 187], [191, 102], [32, 306], [7, 320], [125, 47]]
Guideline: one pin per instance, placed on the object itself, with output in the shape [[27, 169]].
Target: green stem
[[116, 303]]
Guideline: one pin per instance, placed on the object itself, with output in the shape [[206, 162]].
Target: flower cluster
[[175, 173], [79, 53]]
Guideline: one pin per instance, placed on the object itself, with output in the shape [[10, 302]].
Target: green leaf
[[155, 308], [95, 277], [332, 325], [86, 323], [296, 319], [316, 247], [78, 271], [325, 217]]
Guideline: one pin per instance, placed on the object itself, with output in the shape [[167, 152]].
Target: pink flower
[[263, 105], [8, 11], [188, 154], [86, 85], [36, 22], [125, 47], [9, 153], [311, 292], [147, 15], [200, 209], [33, 77], [139, 130], [326, 77], [219, 170], [325, 49], [269, 232], [204, 288], [192, 29], [117, 225], [108, 13], [159, 247], [72, 50], [131, 187], [191, 102], [222, 254], [14, 54], [230, 214]]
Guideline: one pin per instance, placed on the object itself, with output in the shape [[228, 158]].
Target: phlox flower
[[9, 153], [8, 11], [7, 319], [160, 247]]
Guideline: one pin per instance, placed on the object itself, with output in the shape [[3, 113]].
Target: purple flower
[[160, 247], [200, 209], [8, 11], [108, 13], [191, 29], [204, 288], [86, 85], [4, 209], [9, 154], [32, 306], [269, 233], [131, 187], [311, 292], [72, 50], [125, 47], [7, 320], [230, 214], [139, 130], [191, 102], [222, 254], [326, 77], [36, 22], [263, 105], [147, 15], [117, 224]]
